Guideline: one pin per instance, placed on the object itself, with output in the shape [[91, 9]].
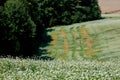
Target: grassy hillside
[[98, 39]]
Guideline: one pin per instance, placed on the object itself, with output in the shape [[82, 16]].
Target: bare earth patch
[[54, 41], [87, 42], [66, 44], [110, 6]]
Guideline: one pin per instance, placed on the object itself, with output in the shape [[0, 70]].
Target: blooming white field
[[27, 69]]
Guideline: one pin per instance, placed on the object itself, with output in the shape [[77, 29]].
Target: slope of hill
[[98, 39]]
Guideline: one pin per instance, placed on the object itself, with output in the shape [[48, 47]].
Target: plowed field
[[110, 6]]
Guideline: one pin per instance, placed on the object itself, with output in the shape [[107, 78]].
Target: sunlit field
[[98, 39]]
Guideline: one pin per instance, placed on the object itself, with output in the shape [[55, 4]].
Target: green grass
[[98, 39], [111, 16], [27, 69]]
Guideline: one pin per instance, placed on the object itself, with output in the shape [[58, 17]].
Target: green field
[[98, 39], [82, 51]]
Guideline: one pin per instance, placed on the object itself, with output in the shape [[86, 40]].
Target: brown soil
[[88, 41], [66, 44], [54, 41], [85, 34], [110, 6]]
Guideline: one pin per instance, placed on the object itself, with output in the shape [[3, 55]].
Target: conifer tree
[[17, 28]]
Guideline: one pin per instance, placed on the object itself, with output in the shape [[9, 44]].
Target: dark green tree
[[2, 2], [17, 29], [92, 9]]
